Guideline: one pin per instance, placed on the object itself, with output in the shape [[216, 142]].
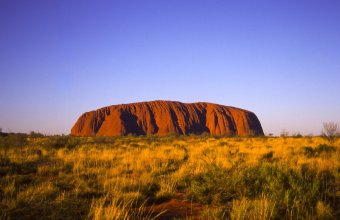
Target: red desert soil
[[177, 209], [167, 117]]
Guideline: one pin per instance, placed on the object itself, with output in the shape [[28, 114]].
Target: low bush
[[34, 134], [267, 157], [295, 193], [150, 190], [322, 149], [58, 142], [13, 140], [213, 186]]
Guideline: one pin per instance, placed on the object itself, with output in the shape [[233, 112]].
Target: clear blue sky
[[279, 59]]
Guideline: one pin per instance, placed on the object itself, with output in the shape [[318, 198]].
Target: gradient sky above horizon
[[279, 59]]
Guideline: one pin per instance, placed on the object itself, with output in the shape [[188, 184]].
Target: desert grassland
[[182, 177]]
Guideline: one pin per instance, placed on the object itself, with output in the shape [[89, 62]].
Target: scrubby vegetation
[[183, 177]]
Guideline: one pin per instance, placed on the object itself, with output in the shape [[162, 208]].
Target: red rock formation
[[166, 117]]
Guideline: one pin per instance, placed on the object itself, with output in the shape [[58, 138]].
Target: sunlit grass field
[[173, 177]]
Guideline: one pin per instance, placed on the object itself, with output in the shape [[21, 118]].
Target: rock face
[[167, 117]]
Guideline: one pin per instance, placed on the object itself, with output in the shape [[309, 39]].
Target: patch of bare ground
[[176, 209]]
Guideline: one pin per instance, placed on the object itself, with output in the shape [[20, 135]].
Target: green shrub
[[62, 141], [183, 183], [56, 142], [213, 186], [308, 151], [4, 160], [36, 134], [103, 140], [135, 145], [322, 149], [150, 190], [268, 157], [25, 168], [72, 142], [13, 140], [295, 193], [224, 143], [297, 135], [3, 142], [203, 188]]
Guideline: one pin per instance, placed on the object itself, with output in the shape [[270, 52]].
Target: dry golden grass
[[136, 177]]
